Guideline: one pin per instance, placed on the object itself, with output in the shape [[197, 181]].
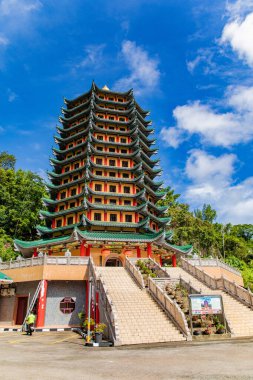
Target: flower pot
[[98, 337], [220, 331], [197, 332]]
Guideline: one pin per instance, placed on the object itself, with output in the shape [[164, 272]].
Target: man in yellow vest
[[29, 323]]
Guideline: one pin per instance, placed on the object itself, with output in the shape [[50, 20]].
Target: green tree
[[6, 247], [21, 195], [207, 213], [7, 161]]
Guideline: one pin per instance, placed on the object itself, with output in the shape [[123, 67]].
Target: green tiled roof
[[46, 230], [116, 224], [120, 236], [41, 242]]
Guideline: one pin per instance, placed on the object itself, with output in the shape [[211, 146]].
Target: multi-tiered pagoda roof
[[103, 184]]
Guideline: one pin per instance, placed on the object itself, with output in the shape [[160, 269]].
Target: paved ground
[[62, 355]]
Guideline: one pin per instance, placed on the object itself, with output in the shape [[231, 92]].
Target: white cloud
[[93, 56], [213, 127], [238, 34], [238, 8], [11, 95], [4, 41], [212, 182], [144, 73]]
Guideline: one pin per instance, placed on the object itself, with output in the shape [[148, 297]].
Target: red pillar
[[42, 304], [82, 248], [138, 252], [161, 261], [174, 260], [97, 308], [35, 253], [149, 249], [86, 298]]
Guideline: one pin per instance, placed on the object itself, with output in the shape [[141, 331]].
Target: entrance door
[[21, 310], [113, 262]]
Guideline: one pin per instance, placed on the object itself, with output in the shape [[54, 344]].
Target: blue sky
[[190, 63]]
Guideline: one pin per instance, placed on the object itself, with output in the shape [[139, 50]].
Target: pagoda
[[103, 186]]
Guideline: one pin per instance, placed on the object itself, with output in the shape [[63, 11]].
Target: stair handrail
[[241, 294], [108, 307], [135, 272], [214, 262], [32, 303], [170, 307], [158, 267]]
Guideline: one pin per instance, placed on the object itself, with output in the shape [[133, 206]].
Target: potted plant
[[220, 329], [98, 331], [85, 323]]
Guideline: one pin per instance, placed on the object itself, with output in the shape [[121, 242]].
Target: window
[[63, 195], [112, 174], [153, 226], [127, 189], [112, 201], [70, 146], [67, 305], [110, 98], [79, 142], [125, 175], [98, 200], [100, 138], [112, 150], [111, 162], [65, 180], [125, 164], [100, 148], [123, 140], [98, 187], [67, 169], [127, 203], [100, 126], [111, 128], [112, 189], [111, 117], [122, 119], [128, 218], [101, 96], [122, 129], [123, 151], [72, 204], [113, 217], [70, 220], [75, 178], [121, 100], [101, 116], [59, 223], [99, 172], [61, 207], [73, 192], [111, 139], [76, 166], [99, 161], [97, 216]]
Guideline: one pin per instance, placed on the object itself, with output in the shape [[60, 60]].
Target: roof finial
[[105, 88]]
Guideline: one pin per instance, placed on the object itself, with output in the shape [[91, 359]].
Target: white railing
[[134, 271], [170, 307], [241, 294], [108, 307], [213, 263], [45, 260]]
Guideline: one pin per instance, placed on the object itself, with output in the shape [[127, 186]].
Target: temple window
[[101, 116], [125, 175], [123, 140], [100, 126], [67, 169], [122, 119], [127, 189], [61, 207], [98, 187], [58, 223], [70, 220], [99, 137], [112, 201], [120, 100], [78, 152], [98, 200], [128, 218], [111, 117], [76, 166], [101, 96], [127, 203], [112, 174], [63, 195], [124, 151], [111, 98], [112, 150], [79, 142], [153, 226], [112, 163], [99, 161], [69, 155], [72, 204], [100, 148], [75, 178], [110, 127], [97, 216], [73, 192], [99, 172], [65, 180], [70, 146], [67, 305], [111, 139], [113, 189], [122, 129], [125, 164], [113, 217]]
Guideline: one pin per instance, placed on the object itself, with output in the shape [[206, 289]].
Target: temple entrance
[[21, 310], [113, 262]]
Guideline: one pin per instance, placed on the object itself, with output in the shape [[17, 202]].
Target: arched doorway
[[113, 262]]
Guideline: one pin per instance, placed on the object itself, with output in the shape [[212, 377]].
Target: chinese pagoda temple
[[103, 187]]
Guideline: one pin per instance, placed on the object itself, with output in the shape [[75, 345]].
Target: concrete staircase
[[139, 318], [239, 316]]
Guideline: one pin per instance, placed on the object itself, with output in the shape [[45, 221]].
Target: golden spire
[[105, 88]]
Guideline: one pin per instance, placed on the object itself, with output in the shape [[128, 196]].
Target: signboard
[[209, 304]]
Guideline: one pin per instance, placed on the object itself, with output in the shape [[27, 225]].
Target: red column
[[86, 298], [35, 253], [174, 260], [97, 308], [42, 304], [149, 249], [82, 248], [161, 261], [88, 250], [138, 252]]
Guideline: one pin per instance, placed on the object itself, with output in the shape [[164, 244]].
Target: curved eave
[[133, 169], [52, 215], [100, 90], [54, 161], [184, 249], [80, 97], [112, 102], [45, 230], [73, 128], [68, 120], [107, 194], [99, 206], [51, 202], [113, 111], [71, 110], [74, 148], [114, 224], [65, 140]]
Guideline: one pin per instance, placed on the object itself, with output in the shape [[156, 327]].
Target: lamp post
[[88, 338]]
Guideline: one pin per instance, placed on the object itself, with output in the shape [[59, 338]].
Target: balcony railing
[[45, 260]]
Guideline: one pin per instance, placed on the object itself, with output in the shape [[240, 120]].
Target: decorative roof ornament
[[85, 205], [105, 88], [84, 221], [86, 189]]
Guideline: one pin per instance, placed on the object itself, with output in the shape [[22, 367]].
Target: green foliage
[[20, 201], [7, 161], [207, 213], [6, 247]]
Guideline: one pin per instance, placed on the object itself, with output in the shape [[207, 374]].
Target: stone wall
[[57, 290]]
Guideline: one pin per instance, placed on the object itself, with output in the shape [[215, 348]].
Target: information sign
[[206, 304]]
